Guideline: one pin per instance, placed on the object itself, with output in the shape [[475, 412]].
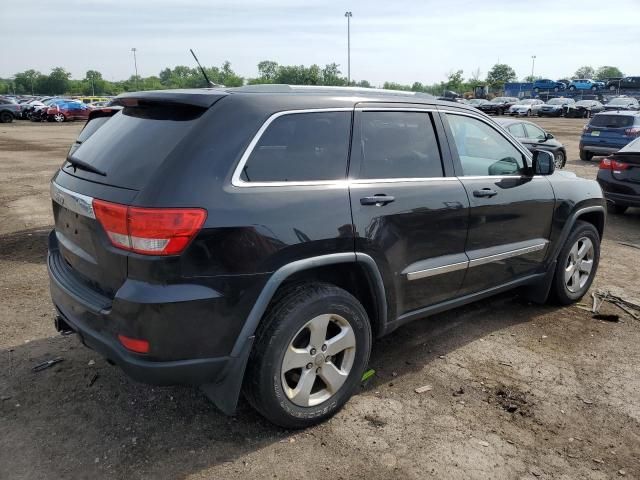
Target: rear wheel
[[6, 117], [572, 88], [586, 156], [616, 209], [577, 264], [594, 88], [612, 88], [556, 89], [536, 90], [310, 353]]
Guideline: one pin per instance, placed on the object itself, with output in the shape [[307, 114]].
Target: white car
[[526, 108]]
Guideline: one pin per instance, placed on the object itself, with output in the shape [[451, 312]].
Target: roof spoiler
[[202, 98]]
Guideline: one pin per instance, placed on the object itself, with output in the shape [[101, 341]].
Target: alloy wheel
[[318, 360], [58, 117], [558, 159], [579, 264]]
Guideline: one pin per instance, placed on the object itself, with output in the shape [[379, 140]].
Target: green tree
[[396, 86], [500, 74], [94, 84], [608, 72], [331, 75], [531, 79], [455, 80], [585, 72], [25, 82], [268, 71], [363, 83]]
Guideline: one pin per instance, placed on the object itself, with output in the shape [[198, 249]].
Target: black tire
[[6, 117], [616, 209], [572, 88], [586, 156], [612, 88], [560, 292], [594, 88], [290, 312], [556, 89], [559, 158]]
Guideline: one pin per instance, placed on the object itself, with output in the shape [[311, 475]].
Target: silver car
[[526, 108]]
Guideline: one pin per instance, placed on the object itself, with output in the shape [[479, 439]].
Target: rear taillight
[[585, 128], [611, 164], [134, 344], [149, 231], [632, 132]]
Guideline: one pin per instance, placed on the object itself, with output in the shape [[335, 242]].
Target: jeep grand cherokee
[[257, 239]]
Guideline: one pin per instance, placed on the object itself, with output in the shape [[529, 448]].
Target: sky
[[393, 40]]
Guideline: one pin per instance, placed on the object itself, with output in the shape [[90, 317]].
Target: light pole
[[348, 15], [533, 64], [135, 64]]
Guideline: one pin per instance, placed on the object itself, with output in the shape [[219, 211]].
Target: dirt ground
[[518, 391]]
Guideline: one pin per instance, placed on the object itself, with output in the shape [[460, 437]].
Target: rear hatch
[[112, 165], [610, 126], [625, 166]]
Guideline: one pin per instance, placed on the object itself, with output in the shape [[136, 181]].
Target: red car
[[67, 111]]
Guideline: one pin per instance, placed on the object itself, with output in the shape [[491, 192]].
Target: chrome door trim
[[511, 253], [417, 273], [76, 202]]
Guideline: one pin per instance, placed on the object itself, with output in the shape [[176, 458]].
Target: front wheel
[[559, 159], [59, 117], [572, 88], [594, 88], [310, 352], [577, 264], [6, 117], [612, 88]]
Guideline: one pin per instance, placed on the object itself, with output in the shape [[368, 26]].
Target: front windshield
[[585, 103], [558, 101], [526, 102], [499, 100]]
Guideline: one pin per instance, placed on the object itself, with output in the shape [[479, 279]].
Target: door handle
[[485, 192], [378, 199]]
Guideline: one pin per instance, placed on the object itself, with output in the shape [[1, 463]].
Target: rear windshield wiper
[[78, 164]]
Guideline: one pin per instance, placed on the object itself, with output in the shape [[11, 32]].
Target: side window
[[398, 145], [516, 130], [300, 147], [482, 150], [534, 132]]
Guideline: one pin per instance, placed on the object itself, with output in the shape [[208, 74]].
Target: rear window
[[135, 142], [301, 147], [612, 121]]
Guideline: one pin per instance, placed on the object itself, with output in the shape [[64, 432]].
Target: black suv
[[257, 239]]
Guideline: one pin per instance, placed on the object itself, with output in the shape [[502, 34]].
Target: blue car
[[586, 84], [547, 84], [608, 132]]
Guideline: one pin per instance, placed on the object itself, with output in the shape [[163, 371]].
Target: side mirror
[[543, 163], [549, 136]]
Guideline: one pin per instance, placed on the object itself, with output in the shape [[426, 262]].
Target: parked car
[[547, 84], [556, 107], [40, 112], [68, 111], [535, 138], [498, 106], [619, 177], [586, 84], [584, 109], [526, 107], [622, 103], [209, 237], [608, 132], [476, 102], [629, 83], [9, 110]]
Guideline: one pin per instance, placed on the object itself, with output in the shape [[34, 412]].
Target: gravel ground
[[518, 391]]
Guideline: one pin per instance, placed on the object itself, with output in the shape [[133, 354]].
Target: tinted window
[[482, 150], [516, 130], [398, 145], [134, 143], [612, 121], [534, 132], [90, 128], [301, 147]]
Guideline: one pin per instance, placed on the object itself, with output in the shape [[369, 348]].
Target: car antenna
[[204, 74]]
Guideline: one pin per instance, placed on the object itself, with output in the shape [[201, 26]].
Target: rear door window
[[301, 147], [612, 121], [398, 145], [517, 131], [534, 132]]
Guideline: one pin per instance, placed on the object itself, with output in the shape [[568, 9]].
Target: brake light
[[149, 231], [632, 132], [585, 128], [134, 344], [611, 164]]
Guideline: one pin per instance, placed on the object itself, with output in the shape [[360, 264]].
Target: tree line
[[59, 81]]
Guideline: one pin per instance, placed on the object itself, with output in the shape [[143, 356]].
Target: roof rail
[[322, 89]]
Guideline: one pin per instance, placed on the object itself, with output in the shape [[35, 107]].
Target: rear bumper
[[621, 199], [190, 328], [182, 372], [599, 149]]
